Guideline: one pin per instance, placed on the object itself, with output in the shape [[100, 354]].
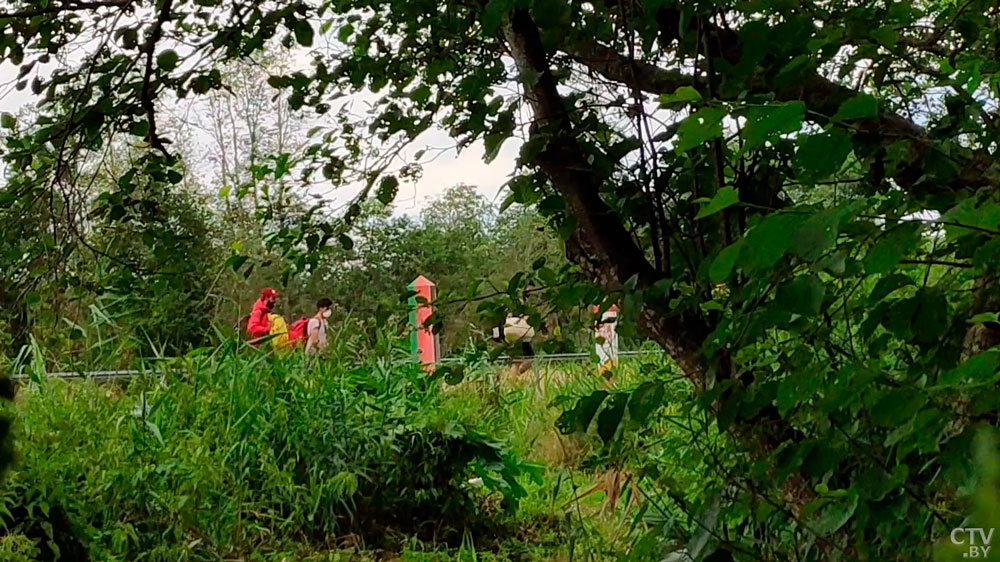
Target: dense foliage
[[161, 288], [797, 200], [237, 452], [234, 454]]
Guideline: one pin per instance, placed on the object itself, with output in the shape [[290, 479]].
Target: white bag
[[517, 329]]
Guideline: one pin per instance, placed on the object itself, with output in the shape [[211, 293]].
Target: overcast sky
[[448, 169]]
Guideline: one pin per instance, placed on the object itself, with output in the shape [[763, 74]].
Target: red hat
[[269, 293]]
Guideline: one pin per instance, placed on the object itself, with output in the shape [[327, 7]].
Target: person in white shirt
[[517, 330], [316, 328]]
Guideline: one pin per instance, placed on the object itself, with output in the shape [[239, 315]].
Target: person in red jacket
[[258, 325]]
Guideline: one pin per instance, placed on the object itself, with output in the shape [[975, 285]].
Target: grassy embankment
[[238, 456]]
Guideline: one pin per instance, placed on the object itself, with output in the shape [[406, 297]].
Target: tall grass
[[230, 453], [653, 470], [233, 451]]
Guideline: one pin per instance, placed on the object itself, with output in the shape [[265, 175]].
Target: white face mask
[[327, 313]]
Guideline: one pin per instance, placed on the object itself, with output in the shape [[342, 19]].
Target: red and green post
[[424, 343]]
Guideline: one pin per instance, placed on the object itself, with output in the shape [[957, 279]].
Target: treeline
[[183, 275], [128, 256]]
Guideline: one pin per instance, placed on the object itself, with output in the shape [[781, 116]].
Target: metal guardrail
[[107, 376], [563, 356], [91, 375]]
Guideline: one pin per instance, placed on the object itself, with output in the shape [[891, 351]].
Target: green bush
[[235, 451], [17, 548]]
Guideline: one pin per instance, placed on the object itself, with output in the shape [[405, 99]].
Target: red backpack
[[297, 331]]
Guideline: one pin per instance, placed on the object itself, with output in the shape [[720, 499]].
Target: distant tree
[[461, 208], [458, 241]]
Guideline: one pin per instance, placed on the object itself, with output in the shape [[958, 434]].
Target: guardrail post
[[424, 344], [606, 337]]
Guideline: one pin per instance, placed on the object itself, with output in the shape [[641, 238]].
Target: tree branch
[[945, 263], [67, 7], [600, 244], [821, 95], [616, 67], [146, 94], [931, 42], [823, 98]]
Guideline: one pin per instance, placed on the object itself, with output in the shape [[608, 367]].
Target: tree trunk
[[600, 246]]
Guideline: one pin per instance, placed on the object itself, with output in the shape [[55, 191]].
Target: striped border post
[[606, 337], [423, 342]]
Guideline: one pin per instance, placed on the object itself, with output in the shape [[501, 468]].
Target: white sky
[[467, 167], [448, 169]]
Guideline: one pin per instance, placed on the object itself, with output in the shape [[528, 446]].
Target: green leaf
[[129, 37], [886, 285], [8, 121], [345, 33], [821, 156], [798, 387], [836, 514], [984, 317], [725, 197], [834, 264], [728, 411], [874, 483], [968, 28], [974, 212], [893, 247], [886, 36], [167, 60], [551, 15], [501, 131], [201, 84], [236, 262], [645, 399], [578, 418], [699, 127], [681, 97], [939, 166], [493, 15], [698, 545], [898, 318], [387, 190], [140, 129], [723, 264], [611, 417], [861, 106], [770, 239], [768, 122], [303, 32], [155, 431], [802, 295], [795, 71], [930, 321], [895, 406], [981, 368], [791, 458], [817, 234], [709, 306]]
